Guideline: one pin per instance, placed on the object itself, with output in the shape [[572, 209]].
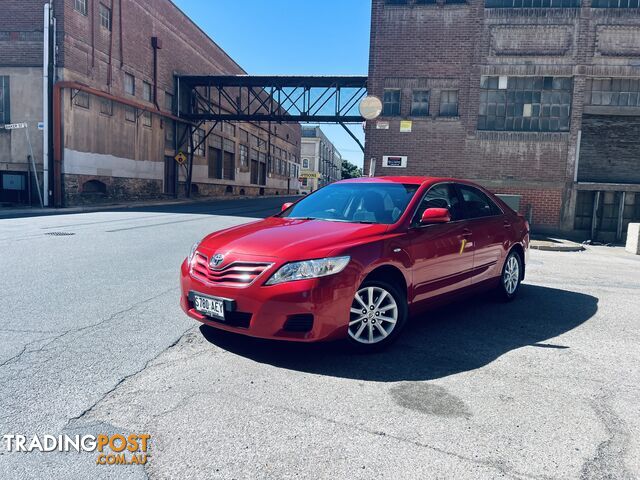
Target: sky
[[292, 37]]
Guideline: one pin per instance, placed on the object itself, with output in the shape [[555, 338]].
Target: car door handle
[[507, 224], [466, 232]]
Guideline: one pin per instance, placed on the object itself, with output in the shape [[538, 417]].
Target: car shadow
[[456, 338]]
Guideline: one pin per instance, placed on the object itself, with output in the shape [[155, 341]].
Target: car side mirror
[[286, 205], [435, 215]]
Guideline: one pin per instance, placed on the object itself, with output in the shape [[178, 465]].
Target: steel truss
[[212, 99], [282, 99]]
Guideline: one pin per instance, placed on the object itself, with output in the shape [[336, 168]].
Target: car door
[[489, 229], [442, 253]]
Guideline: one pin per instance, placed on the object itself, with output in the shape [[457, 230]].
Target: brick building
[[537, 98], [113, 124]]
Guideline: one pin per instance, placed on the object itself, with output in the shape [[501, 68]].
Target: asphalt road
[[92, 340]]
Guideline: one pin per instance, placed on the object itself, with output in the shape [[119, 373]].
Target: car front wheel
[[378, 313]]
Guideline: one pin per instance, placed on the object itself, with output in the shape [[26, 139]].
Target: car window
[[366, 202], [442, 195], [476, 203]]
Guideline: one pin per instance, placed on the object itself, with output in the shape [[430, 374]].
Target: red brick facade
[[130, 157], [439, 47]]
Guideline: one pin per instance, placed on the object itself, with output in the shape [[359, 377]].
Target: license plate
[[211, 307]]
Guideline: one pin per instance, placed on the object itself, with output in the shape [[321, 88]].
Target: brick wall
[[449, 46], [21, 27], [610, 149]]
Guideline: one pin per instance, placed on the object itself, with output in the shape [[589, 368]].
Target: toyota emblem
[[216, 260]]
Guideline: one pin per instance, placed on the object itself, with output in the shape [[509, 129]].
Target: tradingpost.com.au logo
[[114, 449]]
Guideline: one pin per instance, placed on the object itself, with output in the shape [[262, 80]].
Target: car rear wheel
[[378, 313], [511, 276]]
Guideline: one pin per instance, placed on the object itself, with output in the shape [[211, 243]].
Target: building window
[[146, 91], [529, 104], [198, 142], [244, 136], [617, 92], [168, 102], [81, 6], [130, 113], [105, 17], [106, 106], [309, 132], [4, 99], [391, 103], [304, 182], [229, 129], [215, 157], [129, 84], [169, 129], [244, 156], [532, 3], [229, 160], [80, 98], [146, 119], [420, 103], [305, 163], [615, 4], [449, 103]]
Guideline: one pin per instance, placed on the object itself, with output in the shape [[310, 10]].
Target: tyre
[[378, 314], [511, 277]]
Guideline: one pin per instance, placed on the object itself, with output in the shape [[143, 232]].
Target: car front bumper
[[278, 311]]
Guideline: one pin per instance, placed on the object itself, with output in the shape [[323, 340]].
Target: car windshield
[[381, 203]]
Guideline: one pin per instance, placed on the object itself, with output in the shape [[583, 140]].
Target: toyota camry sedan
[[355, 260]]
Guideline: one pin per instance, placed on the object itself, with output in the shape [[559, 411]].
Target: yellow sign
[[309, 175], [406, 126], [180, 158]]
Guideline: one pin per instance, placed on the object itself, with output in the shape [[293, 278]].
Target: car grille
[[235, 274]]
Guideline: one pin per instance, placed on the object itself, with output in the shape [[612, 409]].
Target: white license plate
[[209, 306]]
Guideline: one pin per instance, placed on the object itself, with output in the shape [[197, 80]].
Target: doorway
[[170, 175]]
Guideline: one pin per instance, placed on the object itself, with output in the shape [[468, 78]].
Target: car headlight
[[309, 269], [192, 252]]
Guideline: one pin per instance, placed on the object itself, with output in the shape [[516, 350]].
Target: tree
[[349, 170]]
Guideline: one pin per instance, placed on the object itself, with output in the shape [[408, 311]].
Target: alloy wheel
[[374, 315], [511, 275]]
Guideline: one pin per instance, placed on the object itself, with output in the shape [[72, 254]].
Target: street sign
[[310, 175], [180, 158], [15, 126]]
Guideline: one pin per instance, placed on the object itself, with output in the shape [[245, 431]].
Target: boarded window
[[129, 84], [106, 106], [80, 98]]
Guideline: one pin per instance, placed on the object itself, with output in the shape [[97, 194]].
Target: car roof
[[407, 180]]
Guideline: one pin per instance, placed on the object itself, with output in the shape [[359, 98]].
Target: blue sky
[[292, 37]]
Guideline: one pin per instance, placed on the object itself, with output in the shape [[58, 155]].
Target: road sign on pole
[[180, 158]]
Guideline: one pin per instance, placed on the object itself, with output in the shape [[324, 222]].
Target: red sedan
[[355, 259]]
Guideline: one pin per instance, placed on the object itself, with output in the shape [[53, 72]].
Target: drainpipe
[[45, 104]]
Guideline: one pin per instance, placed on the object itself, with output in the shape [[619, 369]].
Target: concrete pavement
[[93, 341]]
